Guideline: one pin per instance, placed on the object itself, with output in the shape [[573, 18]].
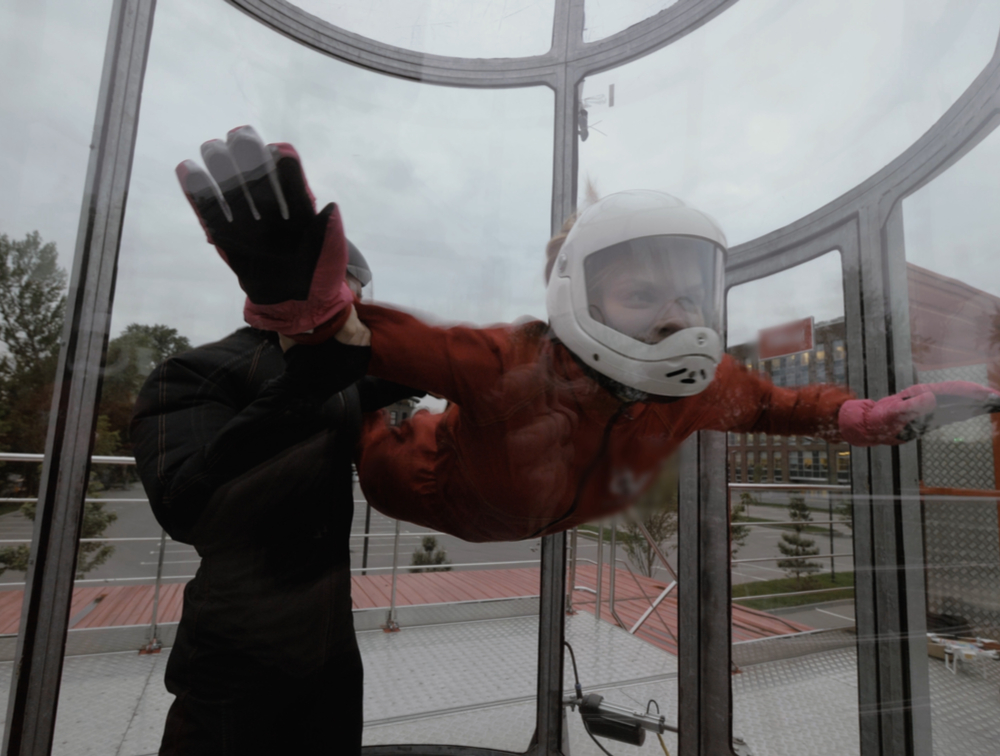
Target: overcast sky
[[770, 111]]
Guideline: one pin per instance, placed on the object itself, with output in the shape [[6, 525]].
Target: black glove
[[258, 211]]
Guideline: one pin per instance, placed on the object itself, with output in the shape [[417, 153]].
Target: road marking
[[177, 561], [838, 616], [752, 577]]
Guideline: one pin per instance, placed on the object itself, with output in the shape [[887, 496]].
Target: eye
[[640, 296]]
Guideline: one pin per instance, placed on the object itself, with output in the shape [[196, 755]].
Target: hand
[[913, 412], [257, 209]]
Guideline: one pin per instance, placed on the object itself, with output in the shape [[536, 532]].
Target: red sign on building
[[787, 338]]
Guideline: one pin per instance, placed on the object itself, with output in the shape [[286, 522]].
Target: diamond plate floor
[[474, 683]]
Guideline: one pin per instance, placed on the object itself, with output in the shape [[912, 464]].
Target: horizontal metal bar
[[25, 500], [775, 559], [393, 535], [792, 486], [90, 540], [432, 566], [794, 593], [804, 523], [95, 460]]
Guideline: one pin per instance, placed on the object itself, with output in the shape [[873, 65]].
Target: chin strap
[[617, 389]]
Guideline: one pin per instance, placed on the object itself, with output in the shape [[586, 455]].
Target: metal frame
[[865, 224], [31, 709]]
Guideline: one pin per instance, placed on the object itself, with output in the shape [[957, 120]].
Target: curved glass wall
[[447, 192], [50, 70], [457, 28], [953, 287], [725, 121], [761, 116], [792, 527]]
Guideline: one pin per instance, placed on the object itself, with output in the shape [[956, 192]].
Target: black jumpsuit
[[245, 453]]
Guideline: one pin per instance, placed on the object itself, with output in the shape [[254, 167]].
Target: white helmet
[[636, 293]]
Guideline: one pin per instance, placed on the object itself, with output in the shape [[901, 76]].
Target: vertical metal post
[[154, 644], [600, 568], [391, 625], [551, 632], [368, 530], [34, 691], [611, 566], [571, 585], [705, 706]]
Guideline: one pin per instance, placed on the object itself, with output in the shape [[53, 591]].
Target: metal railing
[[600, 562], [154, 644]]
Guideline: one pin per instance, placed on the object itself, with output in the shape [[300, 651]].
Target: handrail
[[793, 486], [36, 457]]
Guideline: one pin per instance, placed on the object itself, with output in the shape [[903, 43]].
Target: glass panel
[[447, 193], [460, 28], [951, 229], [604, 17], [794, 643], [721, 120], [51, 57]]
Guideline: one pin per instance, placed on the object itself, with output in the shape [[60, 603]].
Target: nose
[[671, 319]]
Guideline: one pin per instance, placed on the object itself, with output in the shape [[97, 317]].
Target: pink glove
[[257, 209], [913, 412]]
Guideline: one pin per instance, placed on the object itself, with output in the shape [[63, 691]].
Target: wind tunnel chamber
[[772, 595]]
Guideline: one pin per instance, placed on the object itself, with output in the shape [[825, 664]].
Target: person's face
[[651, 299]]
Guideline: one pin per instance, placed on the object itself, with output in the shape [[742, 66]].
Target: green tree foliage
[[430, 554], [132, 355], [656, 509], [794, 544], [738, 533], [32, 302]]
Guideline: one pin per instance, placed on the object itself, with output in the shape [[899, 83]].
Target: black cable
[[576, 674], [652, 701]]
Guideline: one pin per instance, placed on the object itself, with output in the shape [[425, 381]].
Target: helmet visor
[[650, 288]]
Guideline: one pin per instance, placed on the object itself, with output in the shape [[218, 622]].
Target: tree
[[738, 534], [430, 554], [794, 544], [132, 355], [656, 509], [31, 312], [32, 303]]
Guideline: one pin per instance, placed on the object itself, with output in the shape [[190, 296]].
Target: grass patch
[[841, 588], [815, 529]]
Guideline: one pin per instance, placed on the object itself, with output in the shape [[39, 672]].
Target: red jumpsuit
[[530, 445]]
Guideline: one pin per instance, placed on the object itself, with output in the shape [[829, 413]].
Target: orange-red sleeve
[[744, 402], [458, 362]]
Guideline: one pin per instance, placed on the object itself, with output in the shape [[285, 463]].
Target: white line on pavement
[[834, 614]]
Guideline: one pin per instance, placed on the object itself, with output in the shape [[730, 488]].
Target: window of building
[[751, 469], [778, 471], [738, 467], [763, 468]]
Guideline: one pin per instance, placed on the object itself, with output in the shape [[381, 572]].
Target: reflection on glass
[[447, 193], [459, 28], [721, 120], [604, 17], [51, 56], [792, 546], [951, 229]]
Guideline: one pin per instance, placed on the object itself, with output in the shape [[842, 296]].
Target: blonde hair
[[556, 242]]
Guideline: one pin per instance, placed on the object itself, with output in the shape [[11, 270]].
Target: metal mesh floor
[[473, 683]]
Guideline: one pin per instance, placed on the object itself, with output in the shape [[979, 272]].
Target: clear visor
[[653, 287]]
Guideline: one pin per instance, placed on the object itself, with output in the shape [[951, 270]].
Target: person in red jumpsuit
[[550, 425]]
